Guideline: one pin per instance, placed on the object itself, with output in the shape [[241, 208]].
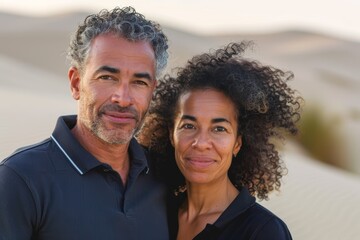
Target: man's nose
[[122, 96]]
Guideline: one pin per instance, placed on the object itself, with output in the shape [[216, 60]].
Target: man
[[91, 179]]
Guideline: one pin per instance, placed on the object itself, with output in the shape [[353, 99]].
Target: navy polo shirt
[[57, 190], [244, 219]]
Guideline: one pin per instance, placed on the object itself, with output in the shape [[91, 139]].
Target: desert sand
[[317, 201]]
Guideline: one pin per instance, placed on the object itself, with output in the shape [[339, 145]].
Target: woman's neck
[[204, 205], [209, 198]]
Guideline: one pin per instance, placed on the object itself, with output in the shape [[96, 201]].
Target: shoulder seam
[[271, 217], [20, 150]]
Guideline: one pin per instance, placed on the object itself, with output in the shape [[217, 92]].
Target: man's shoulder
[[25, 157]]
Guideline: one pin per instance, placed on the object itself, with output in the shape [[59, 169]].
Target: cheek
[[178, 146], [181, 144], [225, 148], [88, 93], [144, 103], [182, 140], [88, 98], [91, 100], [178, 158], [142, 100]]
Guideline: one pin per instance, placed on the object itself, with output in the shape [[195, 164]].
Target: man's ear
[[156, 83], [74, 78]]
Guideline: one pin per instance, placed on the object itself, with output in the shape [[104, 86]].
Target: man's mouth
[[120, 117]]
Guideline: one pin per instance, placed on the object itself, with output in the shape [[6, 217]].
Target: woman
[[212, 129]]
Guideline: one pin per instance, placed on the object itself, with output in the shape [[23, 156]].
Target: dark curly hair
[[124, 22], [265, 105]]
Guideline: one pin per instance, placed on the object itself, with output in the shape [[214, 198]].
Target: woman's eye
[[220, 129], [187, 126]]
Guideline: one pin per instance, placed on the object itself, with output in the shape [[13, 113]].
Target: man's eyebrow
[[116, 70], [107, 69], [143, 75]]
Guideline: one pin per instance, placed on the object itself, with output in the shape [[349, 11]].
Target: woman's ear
[[171, 136], [74, 78], [237, 146]]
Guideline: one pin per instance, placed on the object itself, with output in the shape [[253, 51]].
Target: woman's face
[[205, 135]]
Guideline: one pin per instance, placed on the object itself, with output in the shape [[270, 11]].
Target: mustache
[[117, 108]]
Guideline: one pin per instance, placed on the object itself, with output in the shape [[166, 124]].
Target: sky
[[339, 18]]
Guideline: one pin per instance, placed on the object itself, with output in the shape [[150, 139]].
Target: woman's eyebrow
[[188, 117], [217, 120]]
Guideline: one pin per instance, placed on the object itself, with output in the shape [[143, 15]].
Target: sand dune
[[317, 201], [31, 101]]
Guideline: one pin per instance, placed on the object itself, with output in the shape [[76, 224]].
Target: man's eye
[[106, 77], [141, 82]]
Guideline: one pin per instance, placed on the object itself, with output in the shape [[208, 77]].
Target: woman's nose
[[202, 141]]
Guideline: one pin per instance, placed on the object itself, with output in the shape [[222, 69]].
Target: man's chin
[[116, 138]]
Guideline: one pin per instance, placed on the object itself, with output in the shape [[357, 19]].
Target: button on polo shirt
[[58, 190]]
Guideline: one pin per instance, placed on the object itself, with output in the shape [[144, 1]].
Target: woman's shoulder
[[261, 223]]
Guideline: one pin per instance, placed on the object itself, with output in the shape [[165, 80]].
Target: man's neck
[[115, 155]]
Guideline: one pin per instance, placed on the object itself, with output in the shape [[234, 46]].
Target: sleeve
[[17, 207], [274, 229]]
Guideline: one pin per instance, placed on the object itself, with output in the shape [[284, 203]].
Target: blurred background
[[319, 41]]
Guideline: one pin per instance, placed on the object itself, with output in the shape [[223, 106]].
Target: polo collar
[[81, 159], [240, 204]]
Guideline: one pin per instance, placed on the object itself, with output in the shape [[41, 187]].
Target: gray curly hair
[[124, 22]]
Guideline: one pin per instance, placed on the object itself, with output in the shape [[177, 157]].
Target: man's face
[[115, 87]]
